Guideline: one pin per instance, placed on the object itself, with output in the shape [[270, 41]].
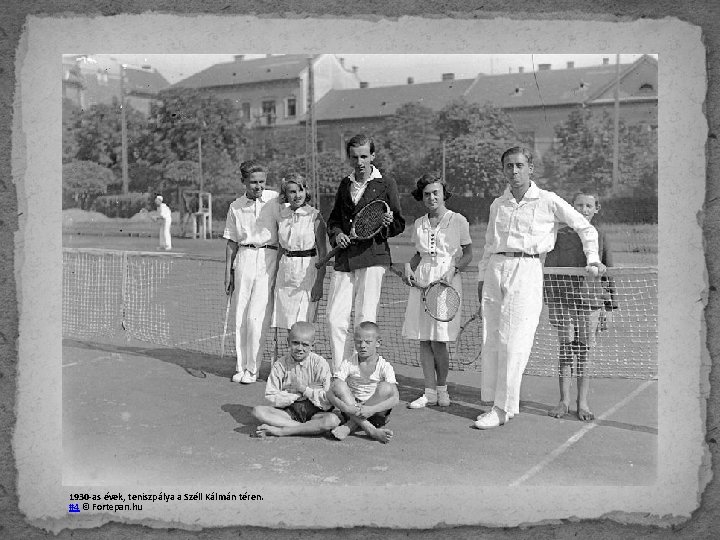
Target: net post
[[123, 289]]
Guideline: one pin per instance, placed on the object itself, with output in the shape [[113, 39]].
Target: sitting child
[[297, 388], [364, 389]]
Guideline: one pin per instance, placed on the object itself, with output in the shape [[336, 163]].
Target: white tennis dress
[[296, 275], [440, 249]]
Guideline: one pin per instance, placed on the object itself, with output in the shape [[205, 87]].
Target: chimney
[[363, 84], [570, 65], [606, 61], [448, 76], [521, 69], [410, 80], [239, 57], [544, 67]]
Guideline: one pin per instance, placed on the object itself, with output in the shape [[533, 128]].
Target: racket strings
[[370, 219], [442, 301]]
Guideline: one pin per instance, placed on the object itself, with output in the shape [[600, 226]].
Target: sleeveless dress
[[296, 275], [439, 248]]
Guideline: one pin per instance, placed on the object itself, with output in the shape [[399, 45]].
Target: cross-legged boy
[[578, 306], [250, 264], [297, 388], [361, 265], [365, 389]]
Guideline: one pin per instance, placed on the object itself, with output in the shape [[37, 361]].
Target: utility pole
[[200, 161], [311, 134], [616, 130], [123, 136]]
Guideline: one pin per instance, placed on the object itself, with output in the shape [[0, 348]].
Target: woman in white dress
[[444, 249], [164, 216], [303, 238]]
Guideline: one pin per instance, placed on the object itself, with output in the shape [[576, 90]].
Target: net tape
[[178, 301]]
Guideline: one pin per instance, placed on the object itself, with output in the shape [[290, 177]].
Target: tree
[[97, 133], [474, 137], [185, 116], [581, 156], [406, 138], [70, 146], [83, 180]]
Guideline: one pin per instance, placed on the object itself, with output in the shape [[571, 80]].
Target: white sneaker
[[493, 418], [238, 376], [443, 398], [421, 402], [248, 378]]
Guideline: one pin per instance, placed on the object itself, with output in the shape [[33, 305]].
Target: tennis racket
[[366, 224], [466, 350], [227, 316], [441, 300]]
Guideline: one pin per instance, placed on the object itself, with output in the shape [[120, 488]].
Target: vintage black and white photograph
[[410, 276], [196, 204]]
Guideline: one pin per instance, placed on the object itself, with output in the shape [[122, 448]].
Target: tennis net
[[177, 301]]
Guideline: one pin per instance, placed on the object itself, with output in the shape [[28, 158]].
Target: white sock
[[442, 389], [430, 393]]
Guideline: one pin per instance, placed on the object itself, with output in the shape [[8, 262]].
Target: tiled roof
[[283, 67], [556, 87], [139, 81], [385, 100]]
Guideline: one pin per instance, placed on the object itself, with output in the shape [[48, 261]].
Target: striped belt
[[302, 253], [518, 254], [253, 246]]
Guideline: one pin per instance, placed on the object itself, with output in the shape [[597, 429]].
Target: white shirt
[[253, 221], [363, 387], [531, 225], [444, 240], [358, 188], [164, 212], [313, 372]]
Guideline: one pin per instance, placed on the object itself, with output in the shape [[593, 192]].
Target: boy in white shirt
[[364, 388], [250, 265], [297, 388]]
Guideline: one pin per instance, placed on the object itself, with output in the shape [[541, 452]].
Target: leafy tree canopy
[[85, 179]]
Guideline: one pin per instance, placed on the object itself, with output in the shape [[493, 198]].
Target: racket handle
[[227, 316], [322, 262]]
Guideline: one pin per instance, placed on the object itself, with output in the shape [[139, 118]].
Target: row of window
[[269, 111]]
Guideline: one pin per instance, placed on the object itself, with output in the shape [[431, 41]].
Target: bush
[[122, 206]]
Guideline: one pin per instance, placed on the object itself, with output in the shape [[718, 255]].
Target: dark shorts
[[378, 420], [302, 411]]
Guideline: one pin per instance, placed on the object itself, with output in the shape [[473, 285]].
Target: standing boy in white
[[250, 264], [521, 229]]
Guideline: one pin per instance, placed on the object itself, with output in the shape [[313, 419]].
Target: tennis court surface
[[140, 414]]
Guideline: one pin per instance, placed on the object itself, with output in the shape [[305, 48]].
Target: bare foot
[[341, 432], [559, 411], [381, 434], [585, 414], [263, 430]]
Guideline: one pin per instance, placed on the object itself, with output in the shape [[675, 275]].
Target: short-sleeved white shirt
[[445, 240], [364, 387], [254, 221]]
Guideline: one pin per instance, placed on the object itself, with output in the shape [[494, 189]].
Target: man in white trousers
[[164, 216], [361, 265], [250, 264], [522, 228]]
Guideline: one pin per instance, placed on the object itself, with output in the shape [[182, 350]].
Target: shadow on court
[[135, 413]]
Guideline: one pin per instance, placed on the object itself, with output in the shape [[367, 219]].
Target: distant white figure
[[165, 218]]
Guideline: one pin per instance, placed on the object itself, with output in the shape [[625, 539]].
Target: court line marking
[[579, 435]]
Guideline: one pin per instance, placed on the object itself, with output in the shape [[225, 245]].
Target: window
[[646, 88], [320, 146], [268, 112], [291, 107], [245, 107]]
